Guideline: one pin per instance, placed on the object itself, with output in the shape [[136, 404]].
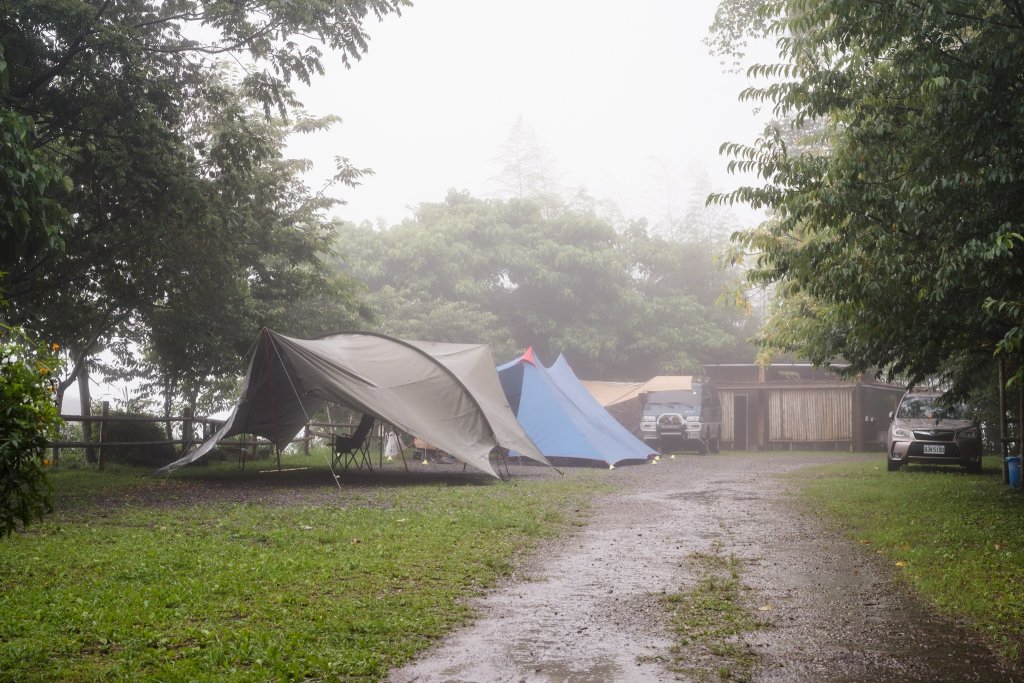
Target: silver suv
[[925, 430], [678, 419]]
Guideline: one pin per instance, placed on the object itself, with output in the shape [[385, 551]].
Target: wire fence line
[[190, 426]]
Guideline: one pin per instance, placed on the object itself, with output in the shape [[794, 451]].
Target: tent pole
[[401, 451], [504, 458], [304, 413]]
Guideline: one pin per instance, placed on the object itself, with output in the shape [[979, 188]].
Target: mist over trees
[[159, 213], [523, 272], [895, 230], [559, 270]]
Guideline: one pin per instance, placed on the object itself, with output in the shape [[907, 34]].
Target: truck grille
[[934, 434]]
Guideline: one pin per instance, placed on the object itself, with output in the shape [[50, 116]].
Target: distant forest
[[620, 304]]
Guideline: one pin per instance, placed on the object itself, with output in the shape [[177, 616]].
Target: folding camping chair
[[353, 449]]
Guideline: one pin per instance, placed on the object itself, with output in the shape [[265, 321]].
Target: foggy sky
[[624, 97]]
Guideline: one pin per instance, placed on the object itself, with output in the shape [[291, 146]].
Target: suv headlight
[[969, 434], [900, 433]]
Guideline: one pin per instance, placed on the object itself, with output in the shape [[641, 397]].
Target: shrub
[[70, 458], [134, 432], [28, 420]]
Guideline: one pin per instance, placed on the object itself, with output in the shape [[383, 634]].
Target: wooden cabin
[[796, 406]]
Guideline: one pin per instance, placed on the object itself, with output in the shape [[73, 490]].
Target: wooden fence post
[[103, 434], [305, 440], [187, 435]]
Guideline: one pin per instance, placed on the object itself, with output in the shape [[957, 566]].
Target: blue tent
[[561, 417]]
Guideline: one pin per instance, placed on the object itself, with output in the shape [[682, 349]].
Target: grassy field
[[215, 574], [956, 538]]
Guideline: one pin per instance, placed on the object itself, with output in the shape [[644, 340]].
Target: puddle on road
[[711, 496], [530, 670], [560, 670]]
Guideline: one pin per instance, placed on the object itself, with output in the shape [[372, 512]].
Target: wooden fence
[[246, 446]]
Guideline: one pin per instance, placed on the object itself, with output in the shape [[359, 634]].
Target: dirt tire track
[[590, 609]]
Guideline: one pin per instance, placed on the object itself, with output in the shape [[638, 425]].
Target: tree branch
[[75, 47]]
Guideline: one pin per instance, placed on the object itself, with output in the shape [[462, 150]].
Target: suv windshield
[[929, 408], [659, 408]]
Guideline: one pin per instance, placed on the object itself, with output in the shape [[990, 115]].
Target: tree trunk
[[86, 400], [186, 430], [192, 399], [168, 403]]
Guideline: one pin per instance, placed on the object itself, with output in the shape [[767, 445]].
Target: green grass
[[956, 538], [140, 578], [709, 621]]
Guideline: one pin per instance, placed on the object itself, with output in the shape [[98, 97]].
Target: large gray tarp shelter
[[447, 394]]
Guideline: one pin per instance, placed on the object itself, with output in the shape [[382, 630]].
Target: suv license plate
[[934, 449]]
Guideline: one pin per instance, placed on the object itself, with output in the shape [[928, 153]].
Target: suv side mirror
[[890, 416]]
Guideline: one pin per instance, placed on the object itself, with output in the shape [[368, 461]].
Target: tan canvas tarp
[[610, 393], [448, 394]]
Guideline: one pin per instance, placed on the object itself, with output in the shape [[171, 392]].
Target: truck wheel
[[716, 444]]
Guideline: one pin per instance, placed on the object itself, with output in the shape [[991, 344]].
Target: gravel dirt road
[[589, 607]]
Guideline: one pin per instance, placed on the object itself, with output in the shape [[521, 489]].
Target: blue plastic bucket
[[1013, 464]]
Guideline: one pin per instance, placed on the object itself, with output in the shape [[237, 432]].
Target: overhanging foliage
[[895, 237]]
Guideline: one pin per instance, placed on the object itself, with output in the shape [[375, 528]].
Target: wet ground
[[588, 607]]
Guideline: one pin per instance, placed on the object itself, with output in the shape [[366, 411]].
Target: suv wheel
[[893, 465]]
